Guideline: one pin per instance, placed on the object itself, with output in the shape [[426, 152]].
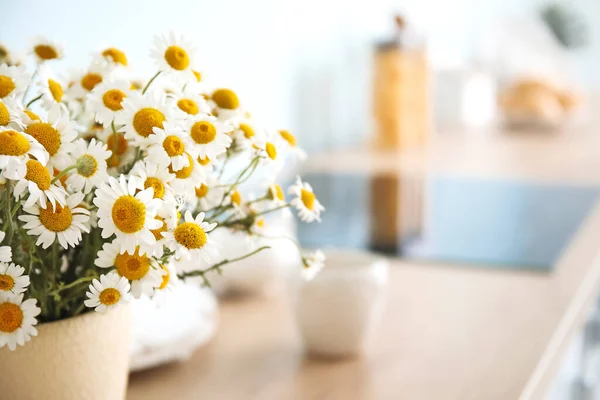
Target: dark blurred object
[[401, 89], [567, 25]]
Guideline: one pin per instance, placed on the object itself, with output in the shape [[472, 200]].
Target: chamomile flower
[[168, 215], [37, 182], [9, 113], [46, 50], [275, 194], [15, 150], [13, 80], [83, 82], [56, 135], [17, 320], [123, 153], [188, 178], [107, 293], [226, 104], [246, 133], [114, 56], [12, 278], [191, 103], [174, 55], [190, 240], [171, 146], [137, 268], [209, 136], [207, 195], [154, 176], [313, 264], [63, 222], [127, 210], [142, 113], [90, 162], [5, 251], [167, 285], [106, 100], [308, 206], [288, 141], [51, 88]]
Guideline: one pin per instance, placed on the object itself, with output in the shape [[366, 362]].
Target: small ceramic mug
[[338, 310]]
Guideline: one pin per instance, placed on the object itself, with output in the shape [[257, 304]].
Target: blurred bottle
[[401, 90]]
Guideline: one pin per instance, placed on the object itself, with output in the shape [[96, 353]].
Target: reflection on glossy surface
[[500, 223]]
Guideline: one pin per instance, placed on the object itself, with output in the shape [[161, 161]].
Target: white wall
[[303, 64]]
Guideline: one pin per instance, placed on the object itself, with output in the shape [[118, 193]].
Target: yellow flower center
[[260, 222], [4, 115], [129, 214], [190, 235], [90, 80], [32, 115], [247, 129], [275, 193], [157, 185], [201, 191], [198, 75], [158, 231], [271, 150], [177, 58], [57, 220], [113, 161], [165, 278], [56, 90], [6, 85], [146, 119], [288, 137], [203, 132], [12, 143], [38, 174], [236, 198], [226, 98], [184, 172], [121, 145], [86, 165], [132, 266], [46, 134], [188, 105], [109, 296], [203, 160], [116, 55], [308, 198], [11, 317], [45, 52], [6, 282], [173, 146], [112, 99]]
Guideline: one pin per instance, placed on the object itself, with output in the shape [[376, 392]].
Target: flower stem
[[202, 272], [150, 82], [63, 172], [79, 281], [33, 101]]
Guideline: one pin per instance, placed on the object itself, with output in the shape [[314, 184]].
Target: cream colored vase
[[339, 310], [81, 358]]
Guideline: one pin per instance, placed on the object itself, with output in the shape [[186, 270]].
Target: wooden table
[[449, 332]]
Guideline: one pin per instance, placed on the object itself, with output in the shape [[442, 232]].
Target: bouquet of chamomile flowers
[[106, 183]]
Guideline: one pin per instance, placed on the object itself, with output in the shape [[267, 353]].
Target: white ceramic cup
[[338, 310]]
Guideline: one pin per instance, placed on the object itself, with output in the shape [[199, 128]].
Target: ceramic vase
[[340, 308], [80, 358]]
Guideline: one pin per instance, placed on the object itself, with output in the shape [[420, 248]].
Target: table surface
[[448, 332]]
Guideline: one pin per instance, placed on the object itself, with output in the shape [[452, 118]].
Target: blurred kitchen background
[[420, 117]]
